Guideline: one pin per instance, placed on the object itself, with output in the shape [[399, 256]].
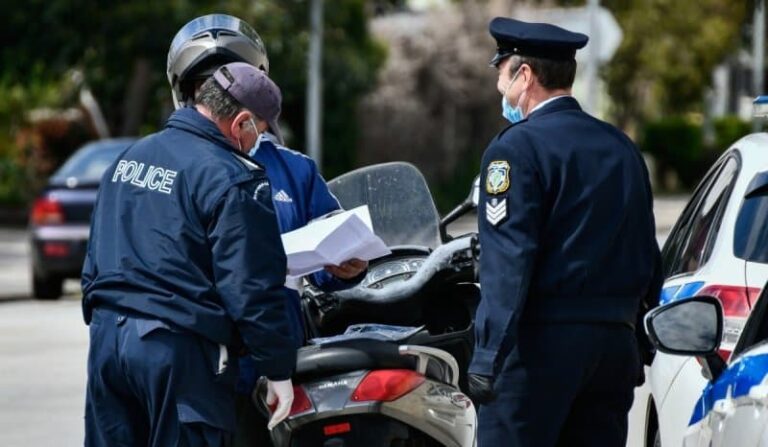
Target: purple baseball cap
[[254, 90]]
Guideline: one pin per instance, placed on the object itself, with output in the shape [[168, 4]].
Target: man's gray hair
[[220, 103]]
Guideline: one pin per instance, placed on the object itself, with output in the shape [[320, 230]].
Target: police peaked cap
[[540, 40]]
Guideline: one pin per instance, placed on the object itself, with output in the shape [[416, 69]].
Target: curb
[[14, 298]]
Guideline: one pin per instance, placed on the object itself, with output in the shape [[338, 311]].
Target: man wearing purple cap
[[185, 265], [299, 192]]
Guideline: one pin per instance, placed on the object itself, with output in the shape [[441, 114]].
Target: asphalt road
[[42, 373], [43, 347]]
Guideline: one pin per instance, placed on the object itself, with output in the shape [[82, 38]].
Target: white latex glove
[[281, 393]]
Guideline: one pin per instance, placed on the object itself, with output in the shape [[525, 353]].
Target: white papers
[[332, 241]]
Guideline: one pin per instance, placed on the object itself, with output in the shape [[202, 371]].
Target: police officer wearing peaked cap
[[569, 259], [184, 266]]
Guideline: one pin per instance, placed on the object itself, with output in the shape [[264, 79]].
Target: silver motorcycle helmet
[[206, 43]]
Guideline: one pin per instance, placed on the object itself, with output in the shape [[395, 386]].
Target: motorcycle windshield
[[401, 206]]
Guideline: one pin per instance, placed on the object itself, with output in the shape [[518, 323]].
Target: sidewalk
[[14, 264], [666, 210]]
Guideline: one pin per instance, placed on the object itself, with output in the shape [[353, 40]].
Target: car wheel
[[46, 287]]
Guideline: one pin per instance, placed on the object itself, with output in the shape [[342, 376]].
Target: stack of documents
[[332, 241]]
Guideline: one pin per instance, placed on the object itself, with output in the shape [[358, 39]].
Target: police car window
[[705, 224], [751, 233], [676, 240]]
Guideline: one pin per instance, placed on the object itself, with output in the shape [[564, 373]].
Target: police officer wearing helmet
[[299, 192], [203, 45], [185, 267], [569, 258]]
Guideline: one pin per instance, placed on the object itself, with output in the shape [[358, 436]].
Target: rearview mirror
[[474, 195], [469, 204], [692, 327]]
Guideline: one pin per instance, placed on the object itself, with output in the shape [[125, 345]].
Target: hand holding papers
[[331, 241]]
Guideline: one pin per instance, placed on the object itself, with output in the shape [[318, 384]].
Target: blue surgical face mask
[[512, 114]]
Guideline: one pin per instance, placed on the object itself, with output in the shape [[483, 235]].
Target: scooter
[[397, 380]]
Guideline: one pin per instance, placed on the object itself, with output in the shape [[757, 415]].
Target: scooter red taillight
[[301, 402], [387, 385]]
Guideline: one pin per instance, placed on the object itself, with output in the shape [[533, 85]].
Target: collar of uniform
[[547, 101], [556, 104], [266, 139], [192, 121]]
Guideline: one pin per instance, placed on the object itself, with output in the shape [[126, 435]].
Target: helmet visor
[[210, 24]]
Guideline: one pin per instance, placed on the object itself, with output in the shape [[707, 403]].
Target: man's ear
[[530, 79], [238, 125]]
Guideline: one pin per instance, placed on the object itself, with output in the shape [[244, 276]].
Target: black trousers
[[564, 385]]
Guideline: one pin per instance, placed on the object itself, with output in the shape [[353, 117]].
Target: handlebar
[[441, 259]]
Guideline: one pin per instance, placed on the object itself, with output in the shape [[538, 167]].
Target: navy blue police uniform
[[185, 265], [568, 259]]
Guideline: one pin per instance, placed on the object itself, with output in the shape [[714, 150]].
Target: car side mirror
[[691, 327]]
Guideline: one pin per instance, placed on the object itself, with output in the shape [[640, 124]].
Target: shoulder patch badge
[[497, 178], [261, 187], [496, 210]]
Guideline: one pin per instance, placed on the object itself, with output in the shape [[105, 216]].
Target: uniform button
[[120, 320]]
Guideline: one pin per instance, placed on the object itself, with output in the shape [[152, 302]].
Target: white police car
[[732, 407], [716, 248]]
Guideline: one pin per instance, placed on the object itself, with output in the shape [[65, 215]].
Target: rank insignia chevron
[[496, 210]]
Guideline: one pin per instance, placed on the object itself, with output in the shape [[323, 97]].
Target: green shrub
[[677, 145], [728, 129], [13, 183]]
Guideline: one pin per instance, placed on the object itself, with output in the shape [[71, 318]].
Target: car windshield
[[401, 206], [88, 164]]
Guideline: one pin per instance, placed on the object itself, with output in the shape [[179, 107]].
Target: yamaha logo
[[334, 384]]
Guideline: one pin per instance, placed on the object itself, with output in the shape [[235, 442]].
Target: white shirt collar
[[545, 102]]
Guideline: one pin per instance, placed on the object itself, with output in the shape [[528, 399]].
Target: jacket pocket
[[145, 327]]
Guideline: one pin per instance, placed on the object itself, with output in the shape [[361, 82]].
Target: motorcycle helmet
[[205, 44]]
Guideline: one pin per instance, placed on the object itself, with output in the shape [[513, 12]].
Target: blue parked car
[[60, 217]]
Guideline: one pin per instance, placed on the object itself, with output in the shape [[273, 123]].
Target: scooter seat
[[349, 355]]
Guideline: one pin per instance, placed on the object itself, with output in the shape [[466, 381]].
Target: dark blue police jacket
[[184, 230], [566, 229]]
